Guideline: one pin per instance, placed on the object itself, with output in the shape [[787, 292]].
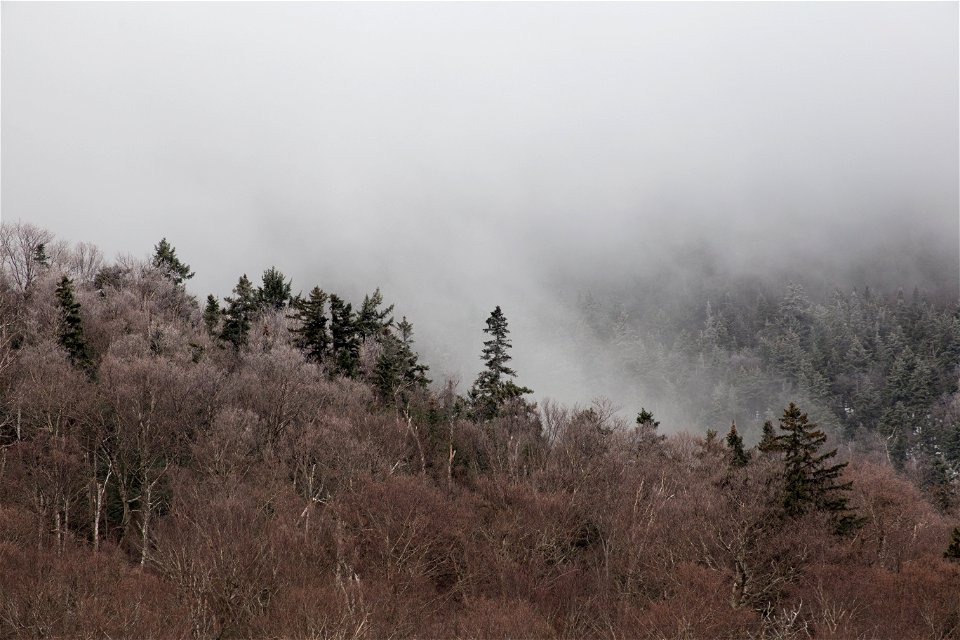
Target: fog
[[463, 155]]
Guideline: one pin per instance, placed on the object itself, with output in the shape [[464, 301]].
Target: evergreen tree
[[211, 314], [371, 320], [344, 337], [40, 255], [239, 313], [645, 418], [398, 369], [810, 483], [738, 455], [275, 291], [493, 388], [311, 335], [71, 336], [953, 549], [165, 259]]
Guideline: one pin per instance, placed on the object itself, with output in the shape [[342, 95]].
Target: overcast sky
[[460, 155]]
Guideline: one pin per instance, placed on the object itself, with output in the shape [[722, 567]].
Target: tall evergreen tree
[[211, 314], [371, 319], [738, 455], [165, 259], [40, 255], [71, 336], [344, 337], [493, 387], [311, 335], [398, 369], [239, 313], [274, 293], [810, 483]]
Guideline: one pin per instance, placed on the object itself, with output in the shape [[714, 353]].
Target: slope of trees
[[286, 470]]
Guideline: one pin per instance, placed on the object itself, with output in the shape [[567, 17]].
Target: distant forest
[[281, 463]]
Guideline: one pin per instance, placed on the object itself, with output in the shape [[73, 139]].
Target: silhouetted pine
[[310, 334], [645, 418], [71, 336], [239, 313], [809, 482], [398, 369], [165, 259], [274, 293], [493, 388], [371, 319], [344, 337], [211, 314], [739, 457], [40, 255]]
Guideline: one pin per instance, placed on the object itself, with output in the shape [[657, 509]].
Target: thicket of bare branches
[[185, 489]]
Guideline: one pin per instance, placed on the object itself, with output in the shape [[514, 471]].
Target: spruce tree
[[493, 387], [310, 336], [71, 336], [738, 455], [165, 259], [372, 320], [810, 483], [40, 255], [274, 293], [398, 368], [211, 314], [344, 337], [239, 313]]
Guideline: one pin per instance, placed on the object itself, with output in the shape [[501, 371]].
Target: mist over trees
[[282, 465]]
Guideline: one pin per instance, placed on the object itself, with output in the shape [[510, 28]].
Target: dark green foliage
[[71, 336], [211, 315], [739, 457], [372, 320], [310, 336], [768, 441], [492, 388], [645, 418], [344, 338], [165, 259], [274, 293], [239, 313], [953, 549], [398, 370], [810, 483], [40, 255]]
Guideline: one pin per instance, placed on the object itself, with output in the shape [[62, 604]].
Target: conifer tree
[[953, 549], [165, 259], [311, 335], [71, 336], [344, 337], [239, 313], [810, 483], [738, 455], [40, 255], [645, 418], [274, 293], [398, 369], [211, 314], [493, 387], [371, 320]]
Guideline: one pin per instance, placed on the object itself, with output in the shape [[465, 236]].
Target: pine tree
[[809, 482], [493, 388], [211, 314], [738, 455], [953, 549], [239, 313], [398, 369], [371, 320], [71, 336], [165, 259], [645, 418], [344, 337], [40, 255], [311, 335], [275, 291]]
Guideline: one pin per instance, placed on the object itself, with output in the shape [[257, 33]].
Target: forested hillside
[[280, 463]]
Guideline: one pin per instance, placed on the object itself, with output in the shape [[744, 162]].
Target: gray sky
[[461, 155]]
